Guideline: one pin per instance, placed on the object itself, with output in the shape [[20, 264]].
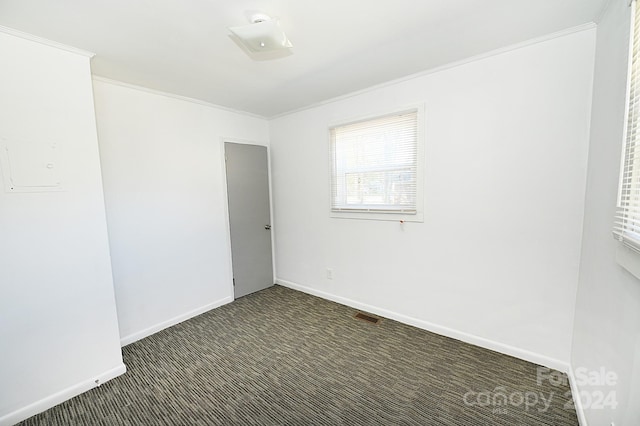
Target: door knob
[[267, 227]]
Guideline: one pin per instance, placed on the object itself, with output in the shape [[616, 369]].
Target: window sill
[[628, 259], [389, 217]]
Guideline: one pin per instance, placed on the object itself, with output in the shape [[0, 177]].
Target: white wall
[[496, 260], [58, 326], [607, 320], [166, 206]]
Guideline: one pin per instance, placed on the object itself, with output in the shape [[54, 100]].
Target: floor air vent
[[367, 318]]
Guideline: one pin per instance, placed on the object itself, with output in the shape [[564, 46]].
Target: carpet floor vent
[[367, 318]]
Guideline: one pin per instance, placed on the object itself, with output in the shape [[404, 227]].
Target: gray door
[[249, 217]]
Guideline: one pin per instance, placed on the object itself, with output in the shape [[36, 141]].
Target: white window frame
[[628, 252], [418, 216]]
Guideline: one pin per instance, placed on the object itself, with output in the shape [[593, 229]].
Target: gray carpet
[[283, 357]]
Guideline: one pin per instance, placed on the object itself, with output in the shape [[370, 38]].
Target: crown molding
[[46, 42], [174, 96], [558, 34]]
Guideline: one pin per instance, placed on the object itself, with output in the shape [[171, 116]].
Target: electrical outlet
[[329, 273]]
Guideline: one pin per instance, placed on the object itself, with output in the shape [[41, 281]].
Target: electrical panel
[[30, 166]]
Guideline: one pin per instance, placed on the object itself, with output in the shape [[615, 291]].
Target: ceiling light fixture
[[262, 35]]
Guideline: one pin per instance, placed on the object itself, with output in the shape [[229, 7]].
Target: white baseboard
[[577, 400], [75, 390], [59, 397], [124, 341], [435, 328]]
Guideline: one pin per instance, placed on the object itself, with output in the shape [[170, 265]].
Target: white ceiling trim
[[604, 9], [174, 96], [46, 42], [568, 31]]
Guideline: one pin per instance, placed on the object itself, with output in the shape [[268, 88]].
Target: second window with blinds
[[376, 167]]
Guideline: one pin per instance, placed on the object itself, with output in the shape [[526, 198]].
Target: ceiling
[[340, 46]]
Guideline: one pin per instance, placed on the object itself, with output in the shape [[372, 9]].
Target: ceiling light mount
[[263, 34], [256, 18]]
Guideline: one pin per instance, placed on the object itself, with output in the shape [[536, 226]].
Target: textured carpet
[[283, 357]]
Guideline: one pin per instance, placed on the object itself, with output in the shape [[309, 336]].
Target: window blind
[[374, 165], [627, 224]]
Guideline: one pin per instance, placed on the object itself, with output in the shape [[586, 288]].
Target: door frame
[[225, 203]]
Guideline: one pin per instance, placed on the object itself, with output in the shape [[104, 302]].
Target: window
[[627, 226], [375, 166]]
